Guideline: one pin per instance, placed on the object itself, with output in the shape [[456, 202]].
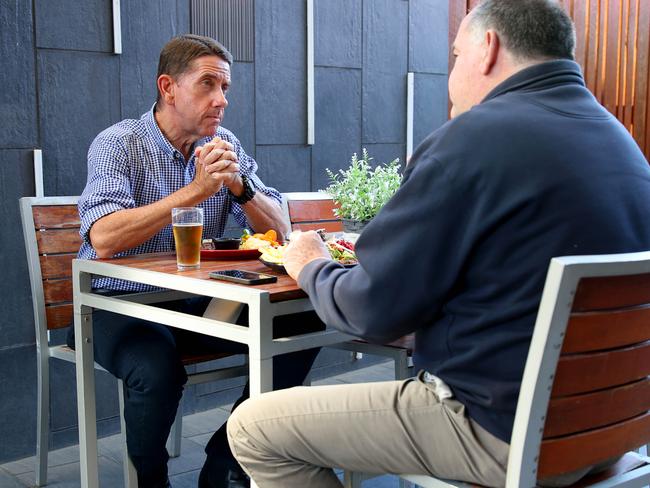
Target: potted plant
[[361, 190]]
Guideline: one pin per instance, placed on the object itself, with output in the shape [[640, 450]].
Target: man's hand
[[216, 165], [303, 248]]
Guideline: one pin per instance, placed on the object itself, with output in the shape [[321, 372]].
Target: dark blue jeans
[[146, 357]]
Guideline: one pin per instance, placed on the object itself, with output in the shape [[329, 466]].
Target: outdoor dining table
[[264, 301]]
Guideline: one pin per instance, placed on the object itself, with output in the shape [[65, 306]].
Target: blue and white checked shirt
[[132, 164]]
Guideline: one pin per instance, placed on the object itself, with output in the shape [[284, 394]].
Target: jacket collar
[[544, 74]]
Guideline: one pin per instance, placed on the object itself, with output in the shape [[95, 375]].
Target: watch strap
[[247, 195]]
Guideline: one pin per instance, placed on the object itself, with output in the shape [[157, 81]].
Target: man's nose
[[219, 99]]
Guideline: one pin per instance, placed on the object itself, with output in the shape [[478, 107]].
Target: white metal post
[[260, 323], [38, 173], [117, 28], [311, 137], [410, 88], [84, 362]]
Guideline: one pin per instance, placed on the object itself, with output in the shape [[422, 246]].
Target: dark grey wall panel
[[384, 76], [428, 36], [338, 121], [18, 94], [384, 108], [337, 37], [385, 153], [146, 28], [70, 24], [18, 393], [280, 75], [63, 396], [240, 114], [78, 100], [385, 37], [429, 104], [16, 319], [183, 16], [286, 168]]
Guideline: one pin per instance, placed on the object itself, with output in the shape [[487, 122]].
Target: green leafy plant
[[362, 190]]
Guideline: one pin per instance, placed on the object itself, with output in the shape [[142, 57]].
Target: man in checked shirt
[[175, 155]]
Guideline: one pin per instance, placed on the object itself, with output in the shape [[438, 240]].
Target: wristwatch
[[248, 194]]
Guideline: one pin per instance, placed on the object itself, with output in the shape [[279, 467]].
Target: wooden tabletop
[[284, 289]]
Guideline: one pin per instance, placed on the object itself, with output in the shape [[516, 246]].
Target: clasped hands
[[217, 165]]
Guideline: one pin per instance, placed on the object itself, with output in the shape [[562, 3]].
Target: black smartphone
[[243, 277]]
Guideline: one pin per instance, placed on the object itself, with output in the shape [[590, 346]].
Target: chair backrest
[[311, 211], [585, 392], [51, 232]]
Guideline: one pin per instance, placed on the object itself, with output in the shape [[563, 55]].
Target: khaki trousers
[[293, 438]]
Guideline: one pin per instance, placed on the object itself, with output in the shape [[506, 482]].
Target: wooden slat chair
[[51, 232], [585, 394], [315, 210]]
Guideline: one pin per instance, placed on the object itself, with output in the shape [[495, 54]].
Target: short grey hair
[[529, 29]]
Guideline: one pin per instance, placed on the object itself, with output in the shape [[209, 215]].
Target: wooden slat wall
[[613, 47]]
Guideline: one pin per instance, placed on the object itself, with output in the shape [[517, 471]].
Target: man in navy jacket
[[530, 167]]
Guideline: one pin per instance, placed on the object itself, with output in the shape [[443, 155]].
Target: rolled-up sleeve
[[108, 188]]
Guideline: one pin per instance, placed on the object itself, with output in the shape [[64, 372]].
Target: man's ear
[[166, 88], [492, 48]]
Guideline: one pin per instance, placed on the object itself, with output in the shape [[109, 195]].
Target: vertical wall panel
[[18, 393], [285, 167], [79, 99], [641, 119], [384, 74], [338, 122], [385, 153], [431, 109], [16, 319], [280, 74], [240, 113], [71, 24], [18, 94], [338, 33], [428, 36]]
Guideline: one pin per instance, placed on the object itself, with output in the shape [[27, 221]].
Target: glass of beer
[[187, 223]]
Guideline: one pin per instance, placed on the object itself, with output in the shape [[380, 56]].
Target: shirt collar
[[156, 134], [161, 141]]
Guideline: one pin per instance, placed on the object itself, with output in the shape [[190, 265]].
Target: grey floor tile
[[185, 480], [68, 475], [20, 466], [201, 439], [204, 422], [192, 458], [57, 457], [9, 481], [365, 375], [327, 381], [111, 447]]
